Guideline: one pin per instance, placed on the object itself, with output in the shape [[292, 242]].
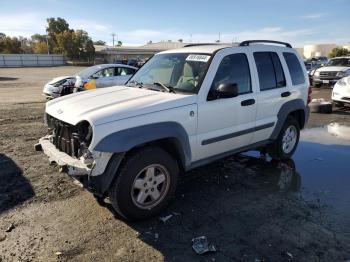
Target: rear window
[[295, 70], [270, 70]]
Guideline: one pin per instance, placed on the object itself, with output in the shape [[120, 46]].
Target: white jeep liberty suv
[[184, 108]]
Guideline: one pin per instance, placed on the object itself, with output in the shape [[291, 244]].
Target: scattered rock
[[2, 238], [10, 228], [58, 253]]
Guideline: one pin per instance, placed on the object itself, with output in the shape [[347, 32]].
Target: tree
[[39, 38], [10, 45], [338, 51], [99, 42], [40, 48], [55, 26], [120, 43], [180, 40], [2, 35]]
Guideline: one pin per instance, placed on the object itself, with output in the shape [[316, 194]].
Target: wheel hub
[[289, 139], [150, 186]]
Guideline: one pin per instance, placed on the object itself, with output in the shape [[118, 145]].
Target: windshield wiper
[[169, 89]]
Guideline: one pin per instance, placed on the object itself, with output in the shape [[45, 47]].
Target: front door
[[226, 124]]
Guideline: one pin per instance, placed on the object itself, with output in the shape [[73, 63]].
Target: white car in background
[[333, 71], [341, 92], [89, 78]]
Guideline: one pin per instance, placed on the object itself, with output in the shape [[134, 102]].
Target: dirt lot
[[249, 208]]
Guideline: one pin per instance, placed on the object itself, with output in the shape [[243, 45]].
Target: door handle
[[248, 102], [285, 94]]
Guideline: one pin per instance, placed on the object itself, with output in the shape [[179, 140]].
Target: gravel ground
[[237, 203]]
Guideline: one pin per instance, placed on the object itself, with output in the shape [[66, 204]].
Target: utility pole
[[47, 43], [113, 35]]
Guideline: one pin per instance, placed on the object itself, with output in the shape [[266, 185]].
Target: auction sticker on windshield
[[198, 58]]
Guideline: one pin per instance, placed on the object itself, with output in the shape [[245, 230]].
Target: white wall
[[23, 60]]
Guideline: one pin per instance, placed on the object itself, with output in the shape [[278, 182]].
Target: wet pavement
[[319, 172]]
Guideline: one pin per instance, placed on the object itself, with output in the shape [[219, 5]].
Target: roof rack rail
[[199, 44], [246, 43]]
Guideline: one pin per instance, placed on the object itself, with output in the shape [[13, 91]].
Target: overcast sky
[[135, 22]]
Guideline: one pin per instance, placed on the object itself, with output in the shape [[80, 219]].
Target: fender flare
[[285, 110], [124, 140]]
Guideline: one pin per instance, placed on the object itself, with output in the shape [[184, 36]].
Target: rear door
[[226, 124], [105, 77], [273, 89], [122, 75]]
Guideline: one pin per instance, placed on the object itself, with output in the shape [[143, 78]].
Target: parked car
[[59, 86], [89, 78], [341, 92], [103, 76], [183, 109], [334, 70], [311, 67]]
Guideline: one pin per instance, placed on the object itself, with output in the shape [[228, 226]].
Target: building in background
[[113, 54]]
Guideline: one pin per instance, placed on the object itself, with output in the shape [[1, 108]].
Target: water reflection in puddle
[[320, 170]]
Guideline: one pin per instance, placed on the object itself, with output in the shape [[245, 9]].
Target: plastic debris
[[10, 228], [166, 218], [201, 245], [58, 253]]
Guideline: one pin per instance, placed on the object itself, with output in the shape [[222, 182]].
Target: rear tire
[[287, 141], [145, 184]]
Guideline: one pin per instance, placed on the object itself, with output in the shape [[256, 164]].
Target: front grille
[[329, 75], [64, 136]]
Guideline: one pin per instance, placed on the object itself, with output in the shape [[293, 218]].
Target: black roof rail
[[246, 43], [199, 44]]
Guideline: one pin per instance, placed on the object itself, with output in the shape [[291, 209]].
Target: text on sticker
[[198, 58]]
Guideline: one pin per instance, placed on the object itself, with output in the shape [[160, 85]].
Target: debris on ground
[[156, 235], [287, 255], [201, 245], [166, 218], [2, 238], [10, 228], [58, 253]]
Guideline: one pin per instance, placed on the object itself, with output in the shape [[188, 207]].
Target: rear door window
[[270, 70], [295, 70]]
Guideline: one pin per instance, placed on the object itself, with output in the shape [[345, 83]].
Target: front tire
[[145, 184], [286, 143]]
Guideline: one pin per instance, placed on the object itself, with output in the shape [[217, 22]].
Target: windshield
[[182, 72], [87, 72], [339, 62]]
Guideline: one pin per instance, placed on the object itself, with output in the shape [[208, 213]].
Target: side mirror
[[227, 90]]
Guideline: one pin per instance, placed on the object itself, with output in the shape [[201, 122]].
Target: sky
[[136, 22]]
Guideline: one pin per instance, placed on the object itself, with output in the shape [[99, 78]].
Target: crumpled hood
[[333, 69], [109, 104], [56, 79]]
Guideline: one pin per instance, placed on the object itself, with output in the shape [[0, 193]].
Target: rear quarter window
[[295, 69]]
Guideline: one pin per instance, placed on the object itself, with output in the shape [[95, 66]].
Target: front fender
[[124, 140]]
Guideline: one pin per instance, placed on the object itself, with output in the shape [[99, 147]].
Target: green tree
[[38, 38], [338, 51], [120, 43], [10, 45], [54, 27], [99, 42]]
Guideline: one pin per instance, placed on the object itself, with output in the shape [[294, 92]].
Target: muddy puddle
[[319, 172]]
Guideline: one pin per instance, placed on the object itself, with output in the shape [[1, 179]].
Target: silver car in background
[[89, 78]]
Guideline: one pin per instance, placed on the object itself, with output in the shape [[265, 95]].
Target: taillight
[[309, 95]]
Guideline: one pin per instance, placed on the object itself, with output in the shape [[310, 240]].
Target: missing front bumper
[[67, 163]]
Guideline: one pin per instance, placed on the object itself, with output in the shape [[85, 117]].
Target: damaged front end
[[68, 147]]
